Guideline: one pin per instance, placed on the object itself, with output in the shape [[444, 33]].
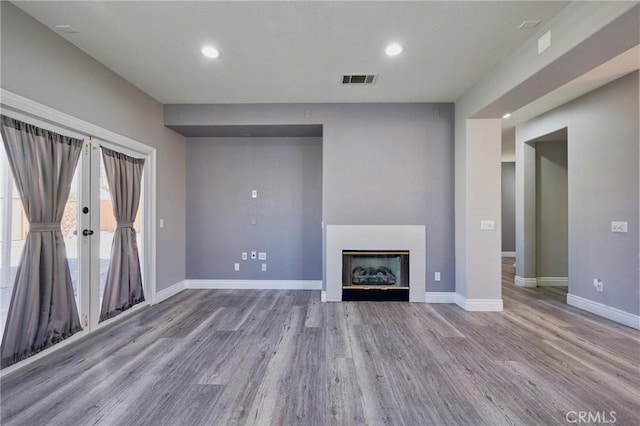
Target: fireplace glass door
[[383, 273]]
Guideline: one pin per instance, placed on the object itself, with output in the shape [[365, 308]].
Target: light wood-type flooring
[[223, 357]]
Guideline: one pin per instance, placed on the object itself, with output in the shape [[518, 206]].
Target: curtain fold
[[123, 288], [43, 309]]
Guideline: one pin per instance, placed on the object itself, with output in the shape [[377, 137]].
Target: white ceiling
[[296, 51]]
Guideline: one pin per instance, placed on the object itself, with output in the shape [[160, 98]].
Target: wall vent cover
[[359, 78]]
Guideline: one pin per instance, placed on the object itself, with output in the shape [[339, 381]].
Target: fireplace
[[369, 275], [365, 240]]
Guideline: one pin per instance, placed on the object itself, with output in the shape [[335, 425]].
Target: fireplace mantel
[[376, 237]]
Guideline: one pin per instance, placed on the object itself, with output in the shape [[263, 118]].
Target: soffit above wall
[[611, 70], [244, 131]]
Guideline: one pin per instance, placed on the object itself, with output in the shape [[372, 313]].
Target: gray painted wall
[[551, 209], [382, 164], [508, 206], [603, 177], [40, 65], [287, 173]]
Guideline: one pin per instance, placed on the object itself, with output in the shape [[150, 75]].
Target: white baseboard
[[525, 282], [166, 293], [440, 297], [486, 305], [323, 296], [552, 281], [255, 284], [508, 254], [614, 314]]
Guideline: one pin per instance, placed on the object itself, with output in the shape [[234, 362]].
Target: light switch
[[487, 225], [161, 223], [244, 255], [262, 255], [254, 193]]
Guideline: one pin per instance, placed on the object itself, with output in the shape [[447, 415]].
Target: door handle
[[87, 232]]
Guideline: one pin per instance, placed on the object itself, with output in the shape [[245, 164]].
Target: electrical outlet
[[436, 276], [244, 255], [254, 193], [236, 266], [598, 284], [262, 255], [264, 267], [254, 255], [619, 227]]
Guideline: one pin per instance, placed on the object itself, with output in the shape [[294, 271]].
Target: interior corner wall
[[508, 206], [551, 209], [40, 65], [603, 186], [284, 220]]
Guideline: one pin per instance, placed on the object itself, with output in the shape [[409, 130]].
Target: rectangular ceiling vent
[[359, 78]]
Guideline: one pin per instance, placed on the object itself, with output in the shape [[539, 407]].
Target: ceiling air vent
[[359, 78]]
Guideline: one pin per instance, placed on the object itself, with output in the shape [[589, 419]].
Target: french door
[[96, 226], [88, 228]]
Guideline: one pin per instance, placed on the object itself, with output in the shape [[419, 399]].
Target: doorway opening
[[546, 215]]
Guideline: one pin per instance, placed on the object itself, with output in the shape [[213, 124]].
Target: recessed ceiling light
[[393, 49], [507, 115], [210, 52]]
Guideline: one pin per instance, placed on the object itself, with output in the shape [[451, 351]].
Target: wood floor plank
[[344, 396]]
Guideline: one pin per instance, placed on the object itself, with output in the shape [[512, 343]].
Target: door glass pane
[[13, 234], [14, 227], [107, 228], [70, 231]]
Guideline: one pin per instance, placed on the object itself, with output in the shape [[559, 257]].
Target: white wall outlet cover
[[236, 266], [598, 284], [254, 193], [262, 255], [487, 225], [161, 223], [436, 276], [618, 226], [244, 255], [264, 267]]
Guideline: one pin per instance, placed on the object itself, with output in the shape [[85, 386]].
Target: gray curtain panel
[[123, 288], [43, 309]]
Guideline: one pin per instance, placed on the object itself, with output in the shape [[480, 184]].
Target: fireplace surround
[[390, 239]]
